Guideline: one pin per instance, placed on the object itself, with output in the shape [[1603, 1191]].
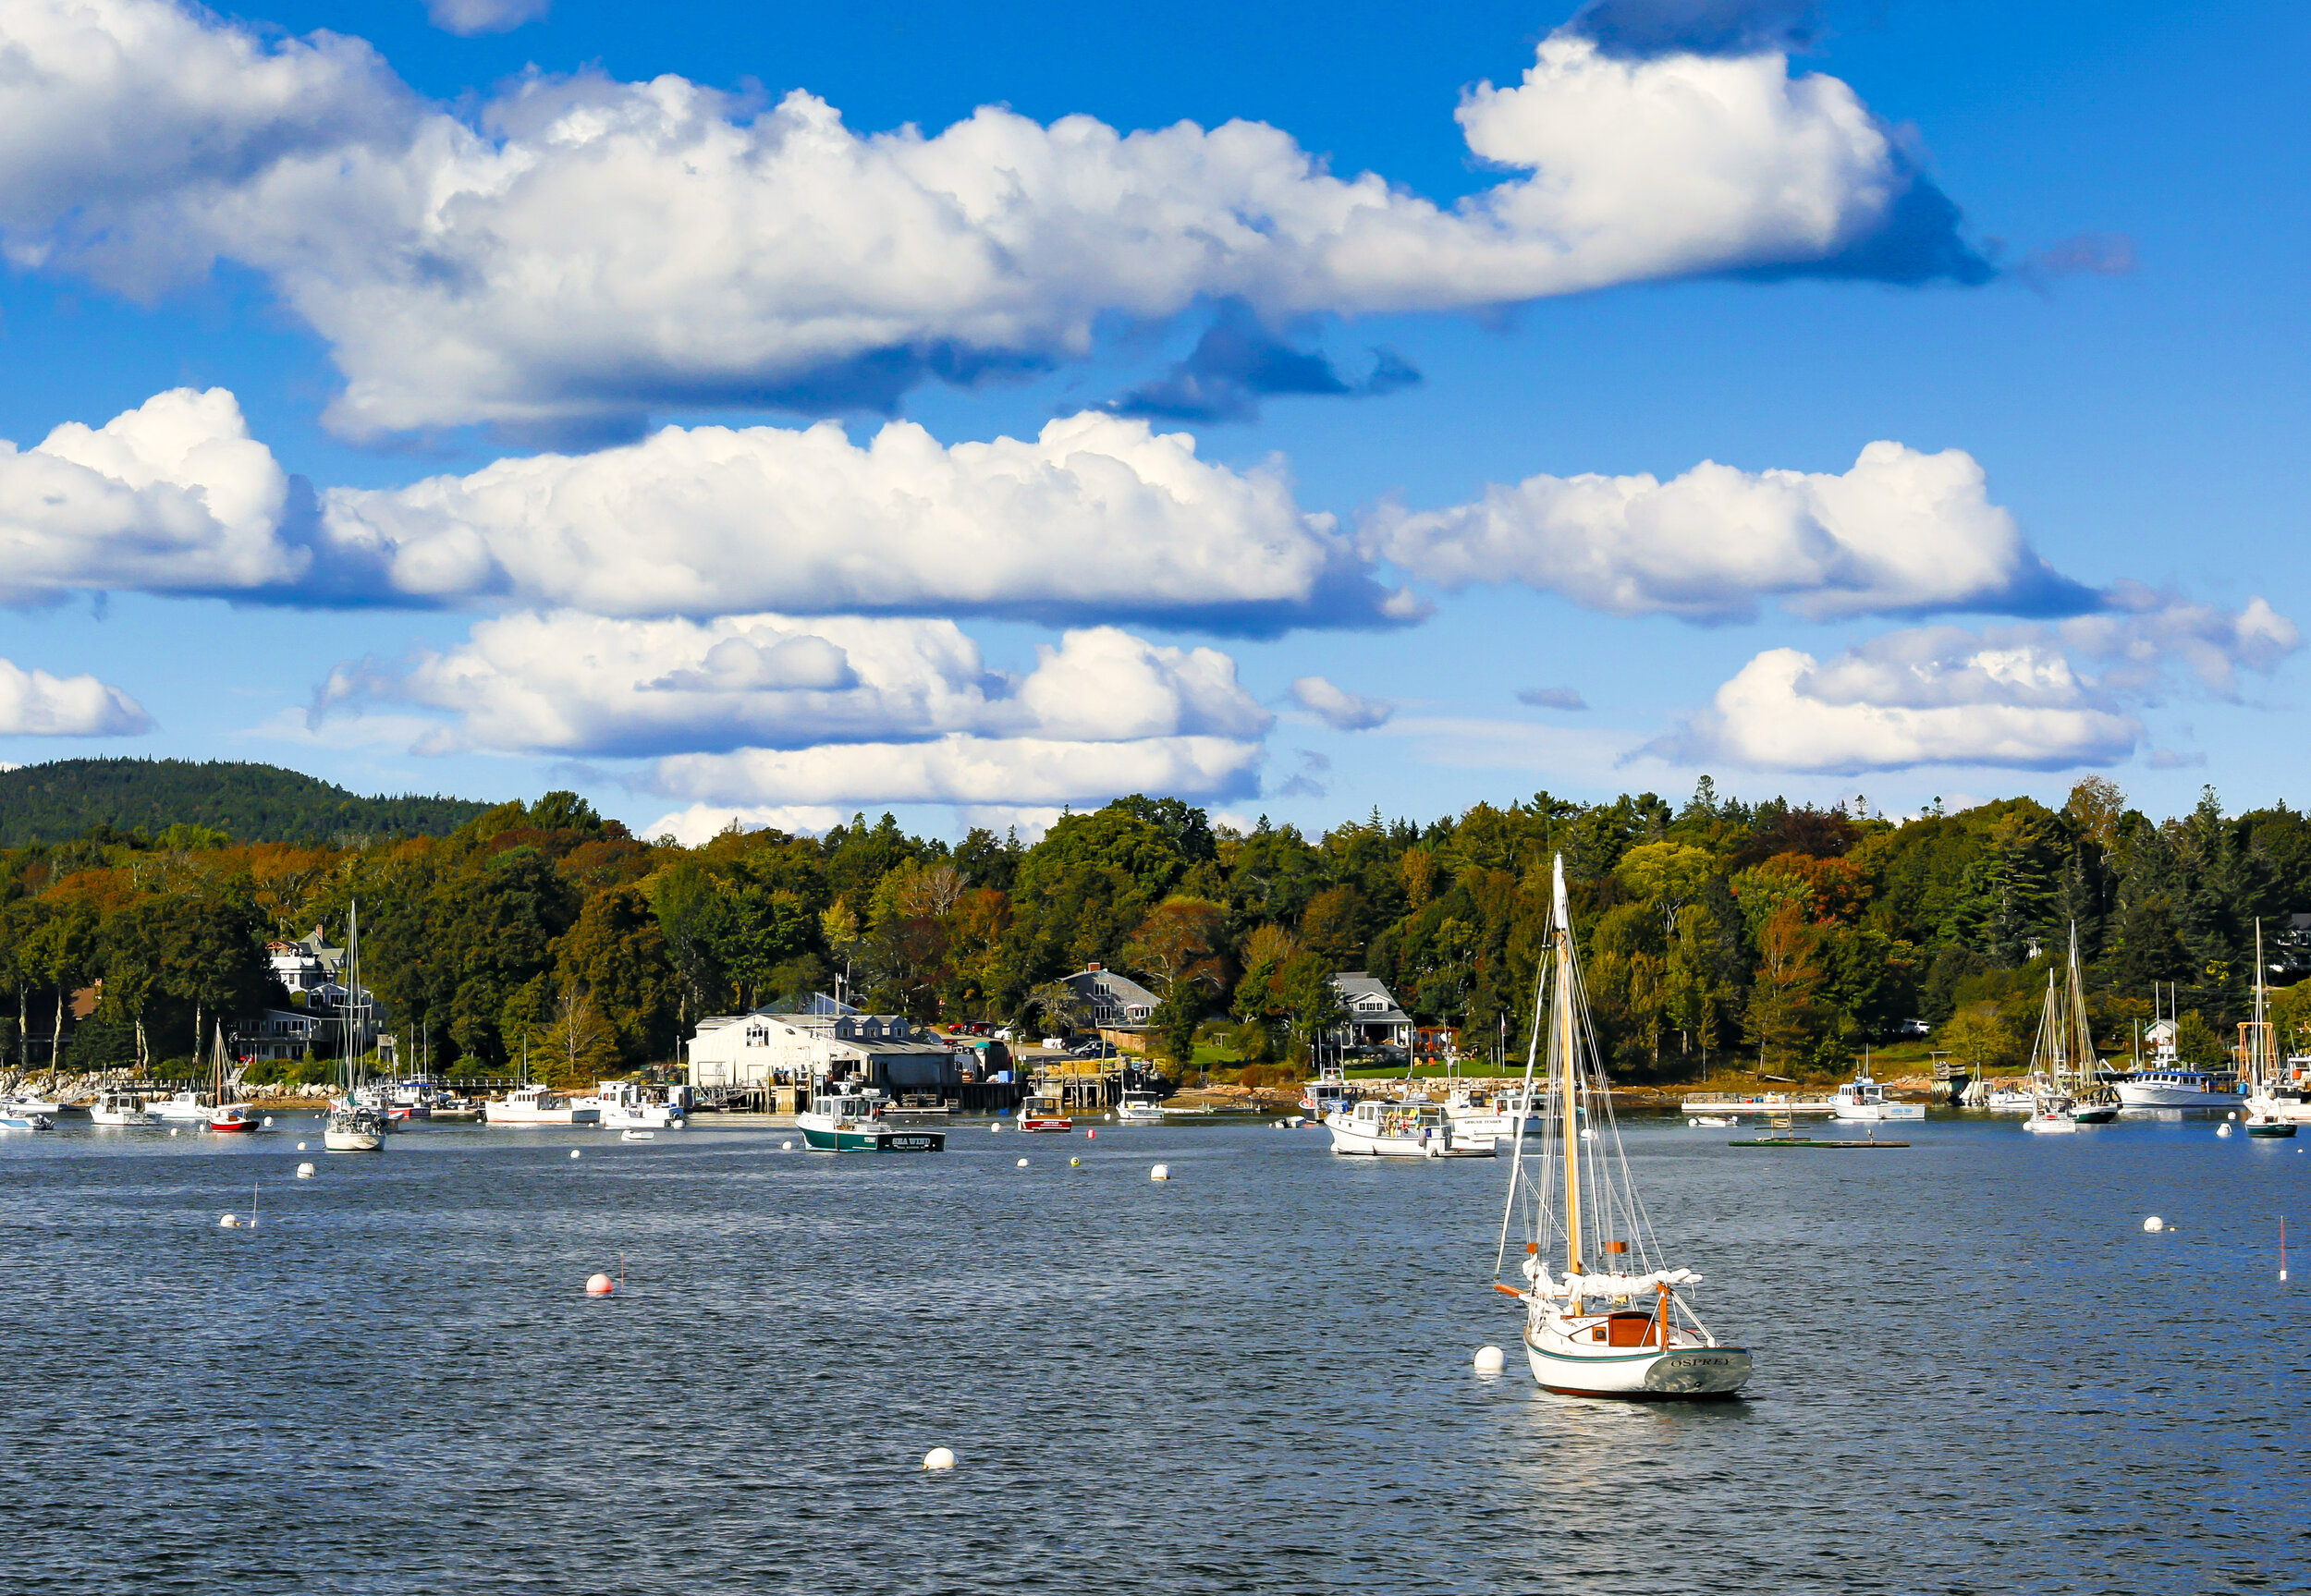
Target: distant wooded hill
[[48, 803]]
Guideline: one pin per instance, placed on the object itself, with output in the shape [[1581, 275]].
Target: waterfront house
[[828, 1042], [1120, 1007], [1374, 1019]]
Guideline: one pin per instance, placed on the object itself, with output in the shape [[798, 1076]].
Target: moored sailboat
[[2267, 1115], [224, 1112], [354, 1126], [1625, 1329]]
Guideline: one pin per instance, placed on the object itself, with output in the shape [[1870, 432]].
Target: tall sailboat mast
[[1562, 1071]]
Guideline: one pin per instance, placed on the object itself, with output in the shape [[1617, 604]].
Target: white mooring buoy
[[2222, 1130], [785, 1147], [1022, 1164], [995, 1127], [301, 1147], [2154, 1225], [1489, 1360], [304, 1172], [1692, 1122], [1161, 1172], [599, 1285], [227, 1222], [1075, 1164], [938, 1458], [575, 1153], [172, 1133], [268, 1122]]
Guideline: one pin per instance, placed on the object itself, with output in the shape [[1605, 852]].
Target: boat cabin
[[848, 1107], [1626, 1329], [1398, 1118]]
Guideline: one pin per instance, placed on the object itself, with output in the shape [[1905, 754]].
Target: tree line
[[1790, 935]]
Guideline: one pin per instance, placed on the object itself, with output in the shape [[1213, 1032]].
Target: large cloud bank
[[584, 250], [1098, 517]]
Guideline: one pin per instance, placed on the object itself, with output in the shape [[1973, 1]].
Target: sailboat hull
[[1684, 1374]]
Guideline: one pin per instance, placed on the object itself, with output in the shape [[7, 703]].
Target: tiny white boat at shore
[[12, 1118], [621, 1104], [184, 1107], [1863, 1098], [529, 1106], [1140, 1108], [119, 1108]]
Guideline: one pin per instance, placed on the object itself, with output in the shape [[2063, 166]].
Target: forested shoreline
[[1786, 935]]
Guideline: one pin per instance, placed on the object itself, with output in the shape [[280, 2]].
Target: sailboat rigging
[[1616, 1323], [354, 1126]]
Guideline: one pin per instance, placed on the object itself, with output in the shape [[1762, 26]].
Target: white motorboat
[[534, 1105], [184, 1107], [1617, 1323], [28, 1105], [2010, 1100], [1402, 1130], [1501, 1115], [14, 1118], [626, 1104], [1140, 1108], [353, 1127], [1863, 1098], [1328, 1094], [2179, 1087], [119, 1108], [2049, 1120]]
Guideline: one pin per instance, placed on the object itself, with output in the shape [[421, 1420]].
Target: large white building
[[832, 1041]]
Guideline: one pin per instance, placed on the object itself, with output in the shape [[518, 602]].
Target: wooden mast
[[1568, 1100]]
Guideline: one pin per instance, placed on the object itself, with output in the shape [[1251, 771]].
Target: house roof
[[1356, 988], [1119, 989]]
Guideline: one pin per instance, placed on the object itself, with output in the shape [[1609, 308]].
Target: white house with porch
[[1374, 1019]]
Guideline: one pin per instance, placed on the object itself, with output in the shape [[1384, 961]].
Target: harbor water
[[1974, 1370]]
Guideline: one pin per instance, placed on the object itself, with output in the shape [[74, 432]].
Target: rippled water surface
[[1974, 1370]]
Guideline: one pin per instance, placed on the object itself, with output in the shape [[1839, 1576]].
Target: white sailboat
[[2065, 1077], [2268, 1114], [354, 1126], [1616, 1323]]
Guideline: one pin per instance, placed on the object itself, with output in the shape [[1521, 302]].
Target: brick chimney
[[1089, 968]]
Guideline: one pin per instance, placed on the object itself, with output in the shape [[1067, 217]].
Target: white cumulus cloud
[[1902, 531], [34, 703], [1338, 708], [577, 684], [960, 769], [174, 496], [581, 252], [2017, 696], [1098, 513], [703, 823]]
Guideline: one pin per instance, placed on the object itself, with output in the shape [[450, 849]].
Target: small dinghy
[[638, 1136]]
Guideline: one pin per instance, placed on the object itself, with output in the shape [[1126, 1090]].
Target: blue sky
[[2099, 580]]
